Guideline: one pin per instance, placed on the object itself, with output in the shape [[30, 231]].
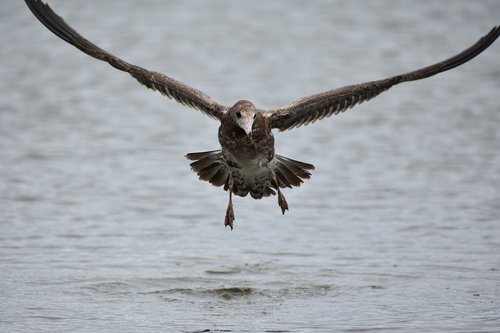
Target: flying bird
[[247, 162]]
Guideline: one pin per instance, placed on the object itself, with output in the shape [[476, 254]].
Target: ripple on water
[[184, 289]]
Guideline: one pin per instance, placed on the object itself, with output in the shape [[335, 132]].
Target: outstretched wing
[[315, 107], [172, 88]]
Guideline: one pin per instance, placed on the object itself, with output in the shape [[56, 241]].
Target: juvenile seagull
[[246, 162]]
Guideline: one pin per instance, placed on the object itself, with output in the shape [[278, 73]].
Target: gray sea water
[[104, 227]]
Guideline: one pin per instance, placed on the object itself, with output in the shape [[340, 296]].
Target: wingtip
[[493, 34], [497, 29]]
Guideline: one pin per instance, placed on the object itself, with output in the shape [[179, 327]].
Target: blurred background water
[[104, 227]]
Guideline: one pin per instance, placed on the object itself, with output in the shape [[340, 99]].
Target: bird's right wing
[[325, 104], [170, 87]]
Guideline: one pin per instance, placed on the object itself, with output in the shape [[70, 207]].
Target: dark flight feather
[[167, 86], [318, 106]]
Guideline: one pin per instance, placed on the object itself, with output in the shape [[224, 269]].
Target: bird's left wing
[[319, 106], [168, 86]]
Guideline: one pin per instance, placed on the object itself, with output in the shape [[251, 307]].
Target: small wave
[[110, 287], [234, 292], [224, 271], [184, 290]]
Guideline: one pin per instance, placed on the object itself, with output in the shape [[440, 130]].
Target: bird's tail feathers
[[210, 166], [290, 172]]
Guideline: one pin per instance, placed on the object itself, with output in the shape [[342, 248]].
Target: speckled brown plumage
[[247, 163]]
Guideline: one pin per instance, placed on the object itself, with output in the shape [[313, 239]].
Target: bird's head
[[243, 114]]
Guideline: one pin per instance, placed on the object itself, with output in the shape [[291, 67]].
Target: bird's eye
[[255, 115], [238, 114]]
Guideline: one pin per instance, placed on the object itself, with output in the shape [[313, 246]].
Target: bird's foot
[[282, 202], [228, 220]]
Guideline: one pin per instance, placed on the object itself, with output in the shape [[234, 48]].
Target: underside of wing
[[318, 106], [170, 87]]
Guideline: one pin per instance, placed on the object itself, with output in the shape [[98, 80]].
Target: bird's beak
[[247, 125]]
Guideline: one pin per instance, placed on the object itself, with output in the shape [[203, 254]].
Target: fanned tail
[[290, 172], [210, 166]]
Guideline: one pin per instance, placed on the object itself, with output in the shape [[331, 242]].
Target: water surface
[[104, 228]]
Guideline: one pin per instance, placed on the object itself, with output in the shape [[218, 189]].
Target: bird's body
[[250, 146], [247, 162]]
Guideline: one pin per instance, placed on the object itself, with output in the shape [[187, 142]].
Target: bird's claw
[[228, 220], [282, 202]]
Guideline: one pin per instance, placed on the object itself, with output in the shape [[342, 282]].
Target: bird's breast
[[241, 149]]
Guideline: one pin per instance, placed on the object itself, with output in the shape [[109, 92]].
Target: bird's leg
[[228, 220], [281, 198], [282, 202]]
